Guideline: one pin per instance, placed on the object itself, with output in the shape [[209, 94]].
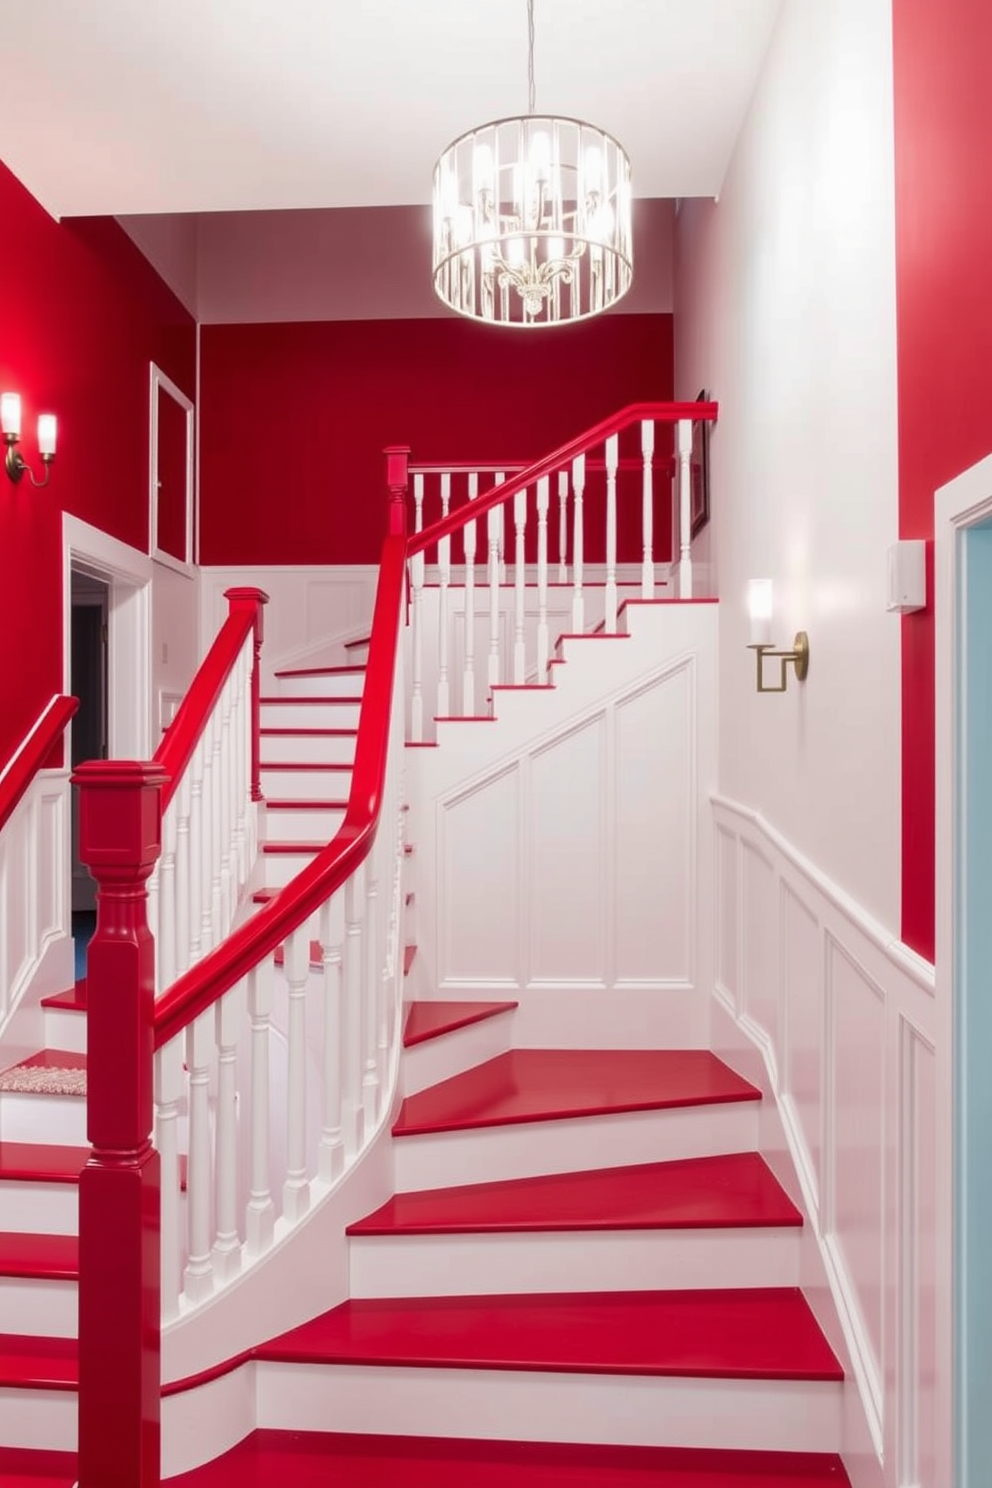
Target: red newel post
[[397, 462], [252, 599], [120, 832]]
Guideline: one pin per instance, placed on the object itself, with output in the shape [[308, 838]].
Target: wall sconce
[[10, 422], [759, 608]]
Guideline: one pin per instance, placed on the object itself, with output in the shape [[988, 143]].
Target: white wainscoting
[[35, 926], [312, 611], [837, 1021]]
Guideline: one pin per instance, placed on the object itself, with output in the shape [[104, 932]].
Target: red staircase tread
[[521, 687], [313, 1459], [47, 1257], [409, 956], [293, 847], [420, 744], [301, 765], [555, 1084], [335, 671], [592, 635], [736, 1191], [293, 805], [470, 718], [750, 1333], [23, 1467], [28, 1362], [428, 1020], [49, 1059], [283, 700], [323, 733], [352, 645], [41, 1162], [73, 1000]]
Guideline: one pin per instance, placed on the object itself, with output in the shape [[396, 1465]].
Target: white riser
[[310, 715], [451, 1053], [774, 1415], [279, 868], [44, 1419], [43, 1118], [308, 749], [314, 824], [39, 1209], [31, 1305], [305, 785], [615, 1260], [525, 1150], [199, 1425], [356, 655], [338, 684], [65, 1030]]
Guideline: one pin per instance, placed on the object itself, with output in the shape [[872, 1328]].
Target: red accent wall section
[[295, 417], [943, 264], [81, 316]]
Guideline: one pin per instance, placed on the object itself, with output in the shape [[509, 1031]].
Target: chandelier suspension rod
[[531, 86]]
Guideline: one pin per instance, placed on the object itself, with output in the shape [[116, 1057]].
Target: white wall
[[785, 310]]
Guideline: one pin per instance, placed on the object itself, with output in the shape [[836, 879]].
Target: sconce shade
[[760, 608], [46, 434], [10, 414]]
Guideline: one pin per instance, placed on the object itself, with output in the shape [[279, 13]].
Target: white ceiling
[[126, 106]]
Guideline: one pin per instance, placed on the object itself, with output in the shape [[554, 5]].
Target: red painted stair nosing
[[335, 671], [294, 805], [428, 1020], [301, 765], [766, 1333], [286, 700], [54, 1059], [28, 1362], [313, 1459], [41, 1162], [42, 1257], [525, 1085], [735, 1191], [308, 733], [24, 1467], [72, 1000], [293, 847], [352, 645]]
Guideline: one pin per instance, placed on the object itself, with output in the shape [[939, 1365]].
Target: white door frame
[[961, 504], [129, 575]]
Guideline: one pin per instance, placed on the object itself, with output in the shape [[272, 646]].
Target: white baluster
[[418, 502], [492, 519], [168, 969], [260, 1214], [370, 980], [199, 1274], [202, 903], [468, 680], [296, 1189], [224, 831], [610, 599], [351, 1035], [168, 1094], [331, 1156], [519, 589], [578, 543], [647, 504], [444, 574], [563, 526], [685, 517], [229, 1012], [417, 622], [500, 478], [543, 501]]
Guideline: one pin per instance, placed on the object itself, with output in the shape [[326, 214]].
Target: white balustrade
[[519, 589], [209, 835], [563, 526], [578, 544], [288, 1076], [610, 600], [468, 674], [685, 508], [647, 509], [543, 496]]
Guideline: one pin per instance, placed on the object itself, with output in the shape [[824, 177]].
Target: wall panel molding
[[847, 1051]]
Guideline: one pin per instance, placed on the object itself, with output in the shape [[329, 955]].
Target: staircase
[[586, 1273]]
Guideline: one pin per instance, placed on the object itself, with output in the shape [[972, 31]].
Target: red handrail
[[184, 732], [29, 756], [634, 412], [224, 966]]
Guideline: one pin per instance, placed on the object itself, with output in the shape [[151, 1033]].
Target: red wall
[[295, 417], [943, 132], [81, 316]]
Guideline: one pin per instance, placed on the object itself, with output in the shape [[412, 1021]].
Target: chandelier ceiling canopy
[[532, 219]]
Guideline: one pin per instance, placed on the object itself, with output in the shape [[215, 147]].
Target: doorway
[[89, 670]]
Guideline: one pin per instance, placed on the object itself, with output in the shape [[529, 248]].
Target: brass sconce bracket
[[16, 466], [798, 657]]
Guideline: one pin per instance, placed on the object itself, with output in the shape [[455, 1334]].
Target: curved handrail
[[634, 412], [228, 962], [29, 756], [184, 732]]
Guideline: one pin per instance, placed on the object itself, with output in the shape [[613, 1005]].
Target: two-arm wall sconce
[[10, 422], [759, 608]]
